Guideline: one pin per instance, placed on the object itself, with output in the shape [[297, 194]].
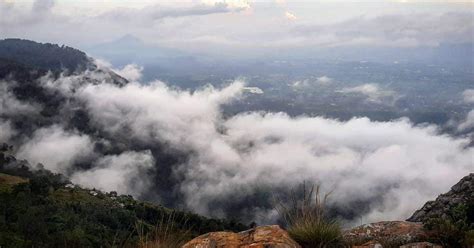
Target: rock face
[[259, 237], [461, 193], [370, 244], [421, 245], [386, 231]]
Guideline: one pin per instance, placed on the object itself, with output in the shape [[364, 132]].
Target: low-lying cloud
[[11, 105], [372, 91], [468, 122], [6, 131], [394, 166], [468, 96], [56, 148], [319, 81], [127, 173]]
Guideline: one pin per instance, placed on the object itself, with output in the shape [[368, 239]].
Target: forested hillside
[[45, 56], [42, 209]]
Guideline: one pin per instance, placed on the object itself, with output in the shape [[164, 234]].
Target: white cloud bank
[[372, 91], [198, 26], [319, 81], [56, 148], [468, 96], [468, 123], [397, 163], [404, 165], [290, 16], [125, 173], [6, 131], [324, 80], [131, 72], [10, 105]]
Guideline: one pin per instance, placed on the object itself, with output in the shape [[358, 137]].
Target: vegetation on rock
[[455, 229], [307, 222], [45, 56], [42, 209]]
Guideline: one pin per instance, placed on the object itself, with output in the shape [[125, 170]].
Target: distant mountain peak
[[129, 40]]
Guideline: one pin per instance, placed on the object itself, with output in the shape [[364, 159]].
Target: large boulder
[[259, 237], [460, 193], [421, 245], [393, 232]]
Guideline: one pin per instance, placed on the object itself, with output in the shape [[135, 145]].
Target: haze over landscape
[[217, 107]]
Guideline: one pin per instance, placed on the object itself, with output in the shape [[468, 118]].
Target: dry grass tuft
[[164, 235], [306, 219]]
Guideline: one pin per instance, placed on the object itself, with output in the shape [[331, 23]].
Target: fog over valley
[[227, 112]]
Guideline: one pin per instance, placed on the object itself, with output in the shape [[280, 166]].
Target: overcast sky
[[241, 25]]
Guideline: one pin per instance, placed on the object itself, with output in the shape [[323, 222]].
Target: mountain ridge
[[43, 209], [45, 55]]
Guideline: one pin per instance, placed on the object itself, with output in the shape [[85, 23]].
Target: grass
[[8, 181], [76, 195], [306, 219], [164, 235]]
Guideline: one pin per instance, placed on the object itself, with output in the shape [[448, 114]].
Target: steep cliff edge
[[460, 193]]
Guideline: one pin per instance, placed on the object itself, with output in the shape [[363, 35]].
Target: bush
[[307, 222], [453, 230], [164, 235]]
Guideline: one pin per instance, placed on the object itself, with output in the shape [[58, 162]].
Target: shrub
[[306, 220], [469, 238], [455, 229], [164, 235]]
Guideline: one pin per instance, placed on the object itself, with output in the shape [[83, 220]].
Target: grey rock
[[460, 193]]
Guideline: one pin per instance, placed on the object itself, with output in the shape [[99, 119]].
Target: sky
[[236, 26]]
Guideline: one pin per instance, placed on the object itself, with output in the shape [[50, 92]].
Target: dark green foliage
[[45, 56], [455, 229], [42, 212], [23, 63]]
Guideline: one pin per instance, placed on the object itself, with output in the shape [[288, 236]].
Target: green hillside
[[42, 209]]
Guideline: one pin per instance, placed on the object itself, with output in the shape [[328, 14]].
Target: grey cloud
[[126, 173], [201, 32], [321, 81], [158, 12], [56, 148], [357, 158], [230, 158], [201, 9], [11, 105], [16, 16], [6, 131], [324, 80], [468, 96], [43, 5], [373, 92], [179, 117], [467, 123], [396, 30]]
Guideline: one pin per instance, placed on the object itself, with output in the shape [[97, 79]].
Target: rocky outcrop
[[259, 237], [386, 232], [421, 245], [461, 193], [369, 244]]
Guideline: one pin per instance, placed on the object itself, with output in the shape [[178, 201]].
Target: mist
[[218, 161]]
